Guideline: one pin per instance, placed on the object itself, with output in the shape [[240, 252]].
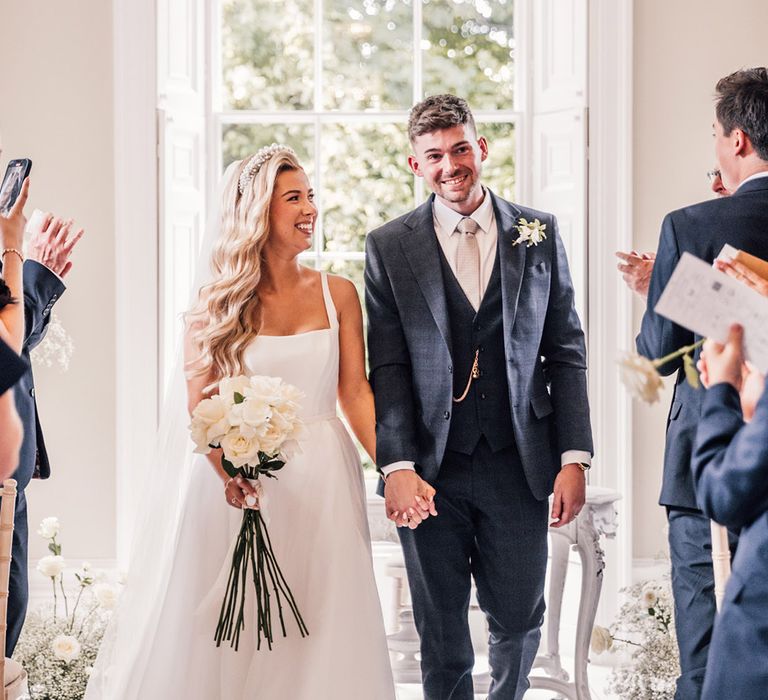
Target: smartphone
[[14, 178]]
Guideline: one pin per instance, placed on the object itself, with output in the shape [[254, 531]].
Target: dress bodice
[[309, 361]]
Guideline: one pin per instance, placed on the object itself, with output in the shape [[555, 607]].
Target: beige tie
[[468, 260]]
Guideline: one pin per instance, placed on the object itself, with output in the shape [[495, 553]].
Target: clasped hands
[[409, 500]]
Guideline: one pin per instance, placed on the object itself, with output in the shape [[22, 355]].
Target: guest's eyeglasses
[[712, 175]]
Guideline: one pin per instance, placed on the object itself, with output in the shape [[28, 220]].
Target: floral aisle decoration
[[56, 348], [645, 627], [60, 640], [255, 421]]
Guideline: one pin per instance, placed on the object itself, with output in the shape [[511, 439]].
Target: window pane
[[366, 181], [240, 140], [367, 47], [468, 49], [267, 54], [499, 169]]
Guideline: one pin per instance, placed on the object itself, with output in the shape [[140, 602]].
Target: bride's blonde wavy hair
[[227, 315]]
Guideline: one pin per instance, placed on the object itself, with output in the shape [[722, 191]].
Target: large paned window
[[335, 80]]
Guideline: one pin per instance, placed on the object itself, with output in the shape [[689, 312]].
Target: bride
[[261, 312]]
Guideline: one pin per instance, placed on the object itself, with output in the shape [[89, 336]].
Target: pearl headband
[[257, 160]]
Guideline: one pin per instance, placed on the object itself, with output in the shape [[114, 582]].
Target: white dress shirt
[[445, 220], [756, 176]]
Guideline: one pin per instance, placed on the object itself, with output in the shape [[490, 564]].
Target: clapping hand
[[409, 500], [52, 244], [636, 269]]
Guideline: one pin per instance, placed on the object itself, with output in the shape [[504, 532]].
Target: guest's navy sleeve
[[11, 367]]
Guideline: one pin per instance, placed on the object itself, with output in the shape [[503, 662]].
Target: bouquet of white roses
[[254, 420]]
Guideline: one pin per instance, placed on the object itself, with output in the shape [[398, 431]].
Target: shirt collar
[[448, 218], [752, 177]]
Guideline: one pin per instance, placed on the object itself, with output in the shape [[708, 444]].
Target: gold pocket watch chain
[[474, 374]]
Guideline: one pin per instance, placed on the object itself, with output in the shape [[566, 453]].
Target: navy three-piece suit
[[492, 458], [701, 229]]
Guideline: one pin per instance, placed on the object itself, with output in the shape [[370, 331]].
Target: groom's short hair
[[742, 103], [439, 112]]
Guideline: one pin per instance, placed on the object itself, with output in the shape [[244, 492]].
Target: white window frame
[[219, 118]]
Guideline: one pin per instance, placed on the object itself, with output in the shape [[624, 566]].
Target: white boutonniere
[[531, 232]]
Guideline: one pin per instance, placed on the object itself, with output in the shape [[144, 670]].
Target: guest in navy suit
[[50, 250], [741, 150], [730, 470]]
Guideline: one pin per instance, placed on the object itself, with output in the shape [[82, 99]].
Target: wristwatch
[[584, 466]]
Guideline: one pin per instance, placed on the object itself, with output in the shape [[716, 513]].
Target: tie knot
[[468, 225]]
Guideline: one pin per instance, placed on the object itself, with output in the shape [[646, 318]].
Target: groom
[[478, 366]]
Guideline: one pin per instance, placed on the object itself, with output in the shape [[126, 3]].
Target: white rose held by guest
[[66, 648], [255, 421]]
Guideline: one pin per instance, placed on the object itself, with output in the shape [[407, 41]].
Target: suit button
[[447, 415], [482, 396], [481, 348], [450, 369], [32, 391]]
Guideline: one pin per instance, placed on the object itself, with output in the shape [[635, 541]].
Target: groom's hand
[[570, 494], [409, 500]]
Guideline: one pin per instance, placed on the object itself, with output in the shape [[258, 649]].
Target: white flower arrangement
[[255, 421], [56, 348], [58, 651], [530, 232], [645, 624]]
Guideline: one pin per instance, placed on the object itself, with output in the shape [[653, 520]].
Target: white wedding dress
[[317, 522]]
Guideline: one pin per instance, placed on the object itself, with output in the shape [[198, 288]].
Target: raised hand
[[636, 269], [52, 245], [724, 362], [409, 500], [12, 225]]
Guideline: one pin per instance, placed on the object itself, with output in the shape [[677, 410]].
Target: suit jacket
[[409, 345], [41, 290], [730, 469], [701, 229]]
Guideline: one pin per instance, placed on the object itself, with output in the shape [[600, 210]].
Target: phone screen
[[9, 191]]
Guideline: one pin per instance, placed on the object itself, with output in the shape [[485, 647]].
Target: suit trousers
[[693, 587], [491, 528], [18, 593]]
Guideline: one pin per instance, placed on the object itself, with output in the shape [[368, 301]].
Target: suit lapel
[[421, 251], [511, 259]]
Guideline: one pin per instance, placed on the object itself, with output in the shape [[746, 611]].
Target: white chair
[[13, 675]]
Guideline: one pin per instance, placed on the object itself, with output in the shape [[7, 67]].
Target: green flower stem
[[55, 598], [64, 596], [677, 353], [74, 610]]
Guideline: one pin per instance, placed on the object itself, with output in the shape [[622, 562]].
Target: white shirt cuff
[[396, 467], [578, 456]]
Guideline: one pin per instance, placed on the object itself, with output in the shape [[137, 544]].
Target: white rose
[[601, 640], [106, 595], [251, 416], [239, 449], [51, 566], [640, 377], [65, 647], [210, 421], [649, 597], [229, 385], [49, 528]]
